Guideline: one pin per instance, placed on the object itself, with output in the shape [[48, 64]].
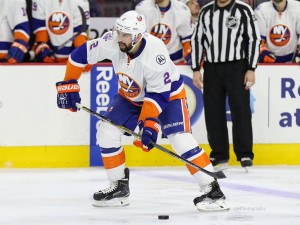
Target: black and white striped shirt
[[226, 34]]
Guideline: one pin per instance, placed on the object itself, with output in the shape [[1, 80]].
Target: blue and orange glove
[[68, 94], [17, 51], [265, 56], [43, 53], [148, 130]]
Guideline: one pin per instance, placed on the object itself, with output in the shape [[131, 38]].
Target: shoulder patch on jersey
[[160, 59], [108, 35]]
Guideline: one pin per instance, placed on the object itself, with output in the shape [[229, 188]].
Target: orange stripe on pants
[[114, 161], [186, 118], [201, 161]]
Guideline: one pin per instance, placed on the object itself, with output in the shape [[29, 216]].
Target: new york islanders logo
[[129, 86], [162, 31], [58, 23], [280, 35]]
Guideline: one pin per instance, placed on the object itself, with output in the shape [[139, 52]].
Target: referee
[[227, 39]]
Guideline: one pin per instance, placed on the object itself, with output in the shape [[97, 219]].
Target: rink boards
[[35, 133]]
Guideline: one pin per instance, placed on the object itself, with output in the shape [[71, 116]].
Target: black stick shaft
[[217, 175]]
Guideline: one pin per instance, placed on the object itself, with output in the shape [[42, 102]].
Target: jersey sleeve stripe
[[73, 70], [38, 25], [79, 40], [149, 110], [41, 36], [20, 34]]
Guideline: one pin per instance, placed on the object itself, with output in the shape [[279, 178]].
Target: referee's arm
[[196, 44], [254, 39]]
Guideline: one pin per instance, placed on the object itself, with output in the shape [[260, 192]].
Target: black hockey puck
[[163, 217]]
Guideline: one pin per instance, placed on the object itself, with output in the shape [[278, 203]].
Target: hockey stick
[[217, 175], [82, 29]]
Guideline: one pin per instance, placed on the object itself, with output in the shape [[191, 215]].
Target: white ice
[[268, 195]]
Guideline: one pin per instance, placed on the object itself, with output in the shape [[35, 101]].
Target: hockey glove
[[17, 51], [68, 94], [266, 56], [43, 53], [148, 130]]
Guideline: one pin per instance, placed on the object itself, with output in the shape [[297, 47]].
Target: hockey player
[[169, 20], [151, 95], [14, 31], [194, 8], [279, 25], [54, 22]]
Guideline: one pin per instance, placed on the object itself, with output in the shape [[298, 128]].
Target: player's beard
[[125, 48]]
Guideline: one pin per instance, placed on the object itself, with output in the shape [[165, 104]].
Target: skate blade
[[220, 167], [204, 208], [116, 202], [247, 169], [219, 205]]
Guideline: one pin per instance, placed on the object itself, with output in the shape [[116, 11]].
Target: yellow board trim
[[79, 156], [44, 156], [264, 154]]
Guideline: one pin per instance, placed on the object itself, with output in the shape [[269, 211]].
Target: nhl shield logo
[[231, 22]]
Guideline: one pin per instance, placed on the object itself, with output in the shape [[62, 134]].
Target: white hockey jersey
[[150, 71], [280, 30], [61, 19], [13, 24], [174, 27]]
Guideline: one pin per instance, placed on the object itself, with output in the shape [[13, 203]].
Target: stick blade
[[219, 175]]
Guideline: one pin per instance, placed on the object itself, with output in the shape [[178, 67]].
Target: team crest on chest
[[162, 31], [231, 22], [129, 87], [58, 23], [280, 35]]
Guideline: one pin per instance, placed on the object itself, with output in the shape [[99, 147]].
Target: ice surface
[[268, 195]]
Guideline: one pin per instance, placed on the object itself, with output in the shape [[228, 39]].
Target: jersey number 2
[[167, 78]]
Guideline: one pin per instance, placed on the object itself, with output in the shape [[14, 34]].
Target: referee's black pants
[[222, 80]]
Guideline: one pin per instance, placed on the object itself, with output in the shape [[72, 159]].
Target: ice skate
[[246, 163], [115, 195], [212, 198], [219, 164]]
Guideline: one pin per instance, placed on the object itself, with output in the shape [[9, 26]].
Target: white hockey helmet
[[131, 22]]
